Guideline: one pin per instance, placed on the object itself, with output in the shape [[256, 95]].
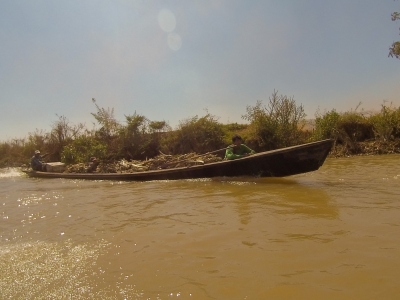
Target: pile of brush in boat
[[161, 161]]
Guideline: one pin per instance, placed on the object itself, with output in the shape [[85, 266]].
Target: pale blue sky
[[171, 60]]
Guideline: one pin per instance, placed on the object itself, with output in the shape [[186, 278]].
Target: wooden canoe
[[276, 163]]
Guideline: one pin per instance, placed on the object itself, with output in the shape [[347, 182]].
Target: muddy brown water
[[329, 234]]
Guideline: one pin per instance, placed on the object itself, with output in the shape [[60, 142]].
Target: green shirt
[[237, 152]]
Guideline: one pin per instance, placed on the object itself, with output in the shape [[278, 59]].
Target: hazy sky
[[172, 60]]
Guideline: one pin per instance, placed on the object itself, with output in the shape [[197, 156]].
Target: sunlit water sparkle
[[331, 234]]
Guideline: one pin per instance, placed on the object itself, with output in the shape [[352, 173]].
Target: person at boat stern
[[237, 149], [37, 163], [93, 165]]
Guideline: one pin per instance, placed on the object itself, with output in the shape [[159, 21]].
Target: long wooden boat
[[276, 163]]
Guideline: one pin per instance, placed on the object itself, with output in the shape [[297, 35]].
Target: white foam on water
[[10, 172]]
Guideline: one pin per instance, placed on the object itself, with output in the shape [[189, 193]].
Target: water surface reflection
[[330, 234]]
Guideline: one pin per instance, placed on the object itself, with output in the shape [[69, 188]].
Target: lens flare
[[166, 20], [174, 41]]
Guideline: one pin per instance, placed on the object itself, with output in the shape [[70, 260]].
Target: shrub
[[345, 128], [109, 125], [355, 126], [140, 138], [386, 124], [81, 149], [326, 125], [62, 133], [277, 125], [195, 134]]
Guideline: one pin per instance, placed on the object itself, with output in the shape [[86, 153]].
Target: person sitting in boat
[[93, 165], [36, 162], [237, 149]]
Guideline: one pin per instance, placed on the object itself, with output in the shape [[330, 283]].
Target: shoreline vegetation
[[366, 148], [276, 124]]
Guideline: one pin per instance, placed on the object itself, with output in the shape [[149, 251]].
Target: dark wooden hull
[[276, 163]]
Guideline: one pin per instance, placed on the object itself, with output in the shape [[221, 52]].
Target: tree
[[394, 50], [106, 119], [61, 134]]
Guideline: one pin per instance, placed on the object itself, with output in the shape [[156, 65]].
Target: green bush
[[140, 138], [355, 127], [345, 128], [386, 124], [81, 149], [195, 134], [326, 125]]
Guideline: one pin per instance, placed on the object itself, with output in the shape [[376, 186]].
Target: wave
[[10, 172]]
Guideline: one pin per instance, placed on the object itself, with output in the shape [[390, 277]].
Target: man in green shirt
[[237, 149]]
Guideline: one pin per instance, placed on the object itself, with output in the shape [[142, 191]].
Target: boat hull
[[276, 163]]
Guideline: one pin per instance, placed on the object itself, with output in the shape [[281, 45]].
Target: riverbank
[[162, 161], [372, 147]]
